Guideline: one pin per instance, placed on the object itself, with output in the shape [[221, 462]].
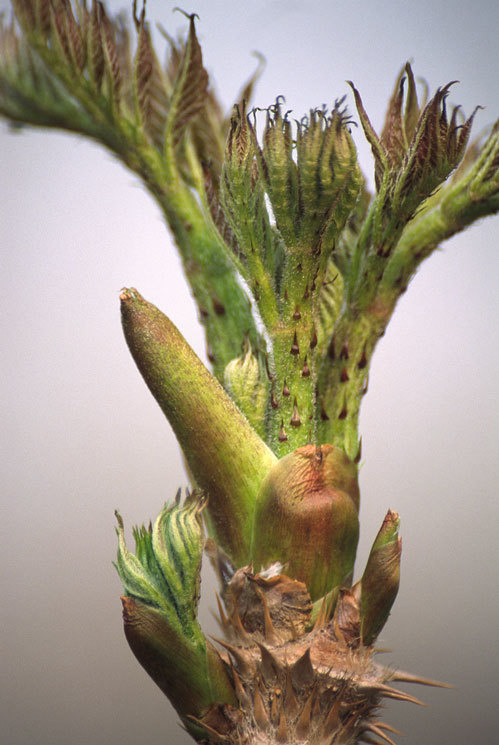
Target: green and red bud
[[418, 147], [225, 455], [161, 582], [306, 517], [380, 582]]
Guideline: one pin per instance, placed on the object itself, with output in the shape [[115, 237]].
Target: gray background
[[82, 435]]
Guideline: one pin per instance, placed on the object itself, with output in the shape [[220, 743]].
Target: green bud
[[161, 582], [313, 194], [280, 172], [380, 581], [225, 455], [247, 382], [307, 517], [243, 200], [164, 572], [329, 175]]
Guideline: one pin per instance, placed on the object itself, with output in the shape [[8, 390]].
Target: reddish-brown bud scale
[[307, 517]]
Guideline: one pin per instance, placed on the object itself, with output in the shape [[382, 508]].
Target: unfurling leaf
[[161, 583], [149, 86], [417, 149], [190, 88]]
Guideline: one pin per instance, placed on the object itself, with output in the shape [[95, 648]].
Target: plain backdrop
[[82, 435]]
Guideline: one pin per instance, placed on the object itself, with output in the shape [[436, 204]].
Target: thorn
[[282, 731], [237, 625], [363, 360], [344, 377], [333, 718], [324, 416], [306, 294], [241, 695], [303, 724], [270, 635], [313, 341], [389, 692], [218, 307], [404, 677], [389, 728], [377, 731], [261, 717], [295, 420], [331, 350], [302, 672], [245, 669], [359, 452], [290, 702], [285, 389], [297, 314], [295, 349], [271, 667], [343, 413], [344, 351], [305, 373], [273, 401], [282, 437]]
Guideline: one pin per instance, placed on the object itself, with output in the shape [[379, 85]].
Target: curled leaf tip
[[119, 520]]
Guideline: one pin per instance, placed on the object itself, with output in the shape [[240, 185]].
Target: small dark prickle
[[297, 314], [344, 377], [344, 352], [359, 452], [313, 341], [282, 437], [363, 360], [343, 413], [305, 373], [273, 401], [285, 389], [295, 349], [295, 420], [302, 672], [218, 307]]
